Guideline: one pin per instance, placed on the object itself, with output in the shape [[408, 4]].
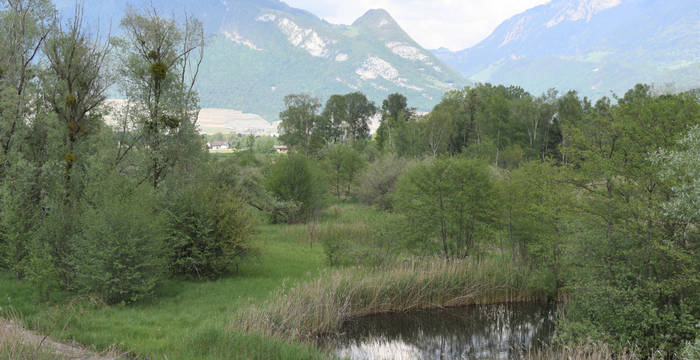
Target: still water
[[474, 332]]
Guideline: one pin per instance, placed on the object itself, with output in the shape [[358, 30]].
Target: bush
[[296, 179], [377, 182], [208, 231], [632, 315], [119, 253]]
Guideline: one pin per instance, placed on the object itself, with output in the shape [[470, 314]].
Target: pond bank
[[319, 307]]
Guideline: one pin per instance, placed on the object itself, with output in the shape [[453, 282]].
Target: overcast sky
[[454, 24]]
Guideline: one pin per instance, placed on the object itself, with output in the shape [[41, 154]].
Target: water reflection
[[475, 332]]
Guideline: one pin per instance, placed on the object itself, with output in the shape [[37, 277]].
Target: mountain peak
[[376, 18]]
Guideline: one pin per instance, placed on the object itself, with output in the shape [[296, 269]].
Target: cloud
[[455, 24]]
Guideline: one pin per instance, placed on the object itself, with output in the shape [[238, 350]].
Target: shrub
[[208, 231], [119, 253], [378, 180], [296, 179]]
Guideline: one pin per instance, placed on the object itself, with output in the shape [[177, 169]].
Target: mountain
[[593, 46], [263, 50]]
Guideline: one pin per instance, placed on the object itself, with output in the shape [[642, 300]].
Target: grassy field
[[189, 319], [286, 293]]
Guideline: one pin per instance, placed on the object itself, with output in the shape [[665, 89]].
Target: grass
[[189, 318], [320, 306], [287, 293], [18, 343]]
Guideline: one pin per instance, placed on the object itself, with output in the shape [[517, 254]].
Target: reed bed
[[319, 307]]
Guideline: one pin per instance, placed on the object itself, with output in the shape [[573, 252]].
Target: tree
[[440, 126], [302, 129], [378, 181], [394, 111], [633, 249], [452, 201], [682, 168], [296, 179], [335, 114], [76, 85], [539, 202], [360, 111], [25, 25], [343, 163], [159, 64]]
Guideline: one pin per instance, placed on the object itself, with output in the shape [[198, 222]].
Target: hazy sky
[[455, 24]]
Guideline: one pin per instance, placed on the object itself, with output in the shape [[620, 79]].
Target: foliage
[[634, 254], [209, 230], [342, 164], [537, 202], [149, 329], [347, 118], [682, 168], [120, 252], [358, 236], [297, 179], [449, 204], [159, 60], [377, 181], [302, 128]]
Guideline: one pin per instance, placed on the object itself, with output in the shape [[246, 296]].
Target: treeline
[[599, 199], [108, 200]]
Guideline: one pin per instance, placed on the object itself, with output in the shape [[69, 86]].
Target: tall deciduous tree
[[24, 25], [302, 128], [633, 246], [449, 202], [394, 110], [360, 111], [342, 163], [159, 64], [76, 84]]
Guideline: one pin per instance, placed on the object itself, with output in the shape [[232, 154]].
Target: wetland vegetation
[[129, 236]]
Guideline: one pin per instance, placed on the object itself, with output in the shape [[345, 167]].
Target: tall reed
[[320, 306]]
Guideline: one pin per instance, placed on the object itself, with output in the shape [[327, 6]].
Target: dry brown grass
[[320, 306]]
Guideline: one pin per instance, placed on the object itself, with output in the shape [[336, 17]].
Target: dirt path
[[18, 342]]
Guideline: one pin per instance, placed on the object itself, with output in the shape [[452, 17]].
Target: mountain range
[[593, 46], [258, 51], [262, 50]]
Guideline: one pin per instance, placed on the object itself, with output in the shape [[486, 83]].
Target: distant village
[[240, 140]]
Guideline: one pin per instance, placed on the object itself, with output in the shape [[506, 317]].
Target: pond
[[473, 332]]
